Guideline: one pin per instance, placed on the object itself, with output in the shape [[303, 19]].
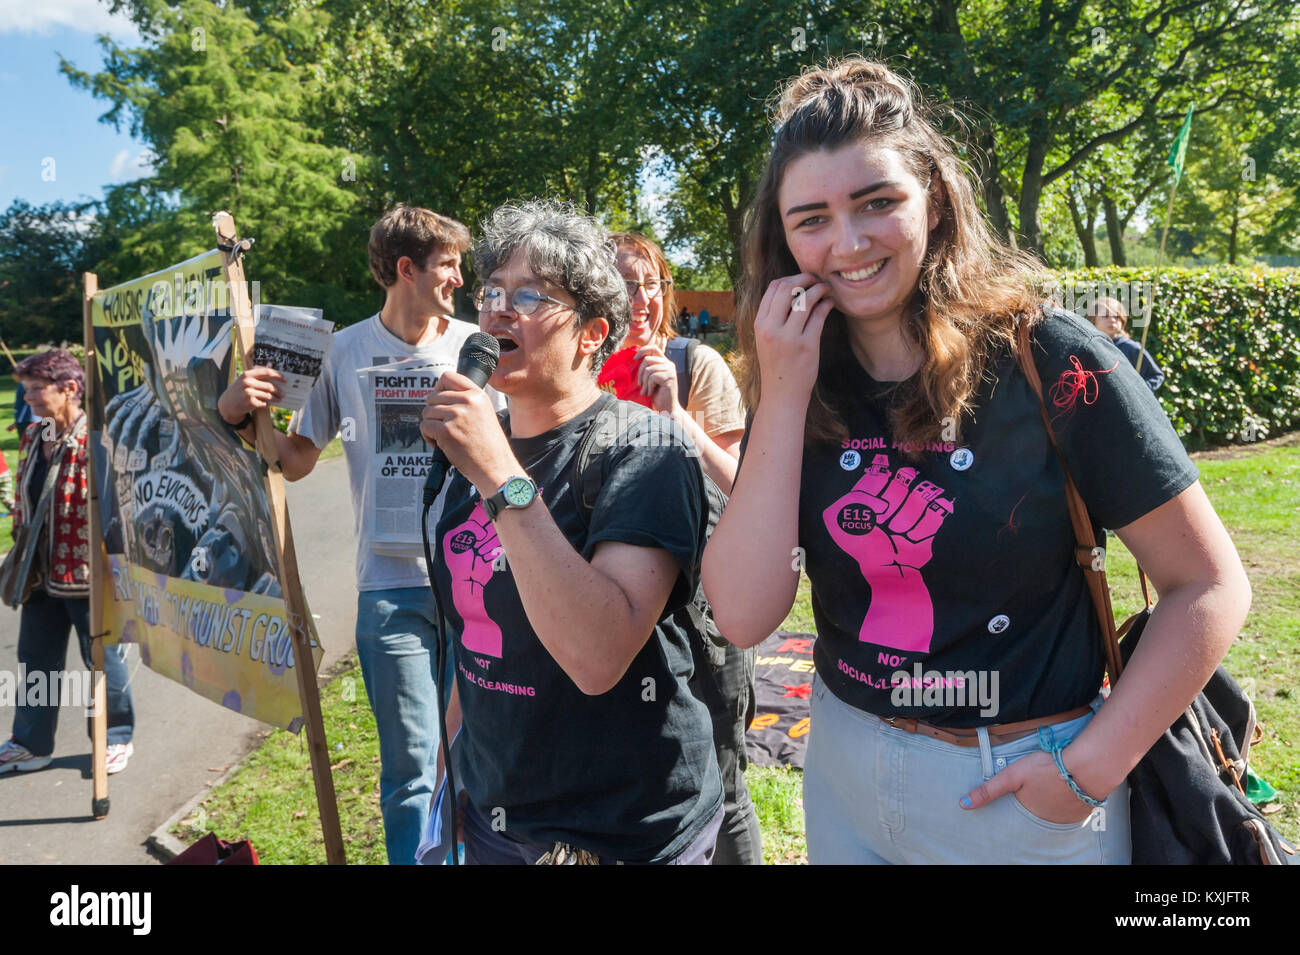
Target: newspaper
[[294, 341], [395, 396]]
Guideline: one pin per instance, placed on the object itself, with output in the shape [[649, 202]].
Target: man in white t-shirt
[[415, 255]]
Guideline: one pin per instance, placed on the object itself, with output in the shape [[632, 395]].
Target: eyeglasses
[[652, 287], [524, 300]]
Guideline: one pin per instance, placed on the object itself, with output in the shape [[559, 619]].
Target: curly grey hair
[[566, 248]]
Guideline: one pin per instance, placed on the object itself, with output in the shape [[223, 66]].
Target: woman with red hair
[[700, 393]]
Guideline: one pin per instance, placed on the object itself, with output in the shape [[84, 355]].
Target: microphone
[[478, 359]]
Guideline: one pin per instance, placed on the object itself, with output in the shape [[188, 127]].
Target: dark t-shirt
[[631, 773], [946, 589]]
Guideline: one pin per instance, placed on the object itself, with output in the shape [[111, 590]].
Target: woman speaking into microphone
[[579, 736]]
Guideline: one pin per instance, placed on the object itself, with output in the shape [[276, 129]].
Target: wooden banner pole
[[99, 718], [13, 362], [290, 585], [1155, 280]]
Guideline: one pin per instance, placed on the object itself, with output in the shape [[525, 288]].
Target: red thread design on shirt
[[1075, 382], [1011, 519]]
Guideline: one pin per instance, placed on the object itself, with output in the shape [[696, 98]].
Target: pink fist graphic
[[887, 525], [469, 551]]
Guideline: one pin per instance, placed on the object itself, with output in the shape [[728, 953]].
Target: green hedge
[[1228, 340]]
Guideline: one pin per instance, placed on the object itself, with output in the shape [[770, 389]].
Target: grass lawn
[[1256, 491]]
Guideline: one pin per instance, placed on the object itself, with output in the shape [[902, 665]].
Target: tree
[[43, 249], [1033, 68], [706, 76], [227, 105]]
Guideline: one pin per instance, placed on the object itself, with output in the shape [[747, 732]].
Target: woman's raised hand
[[787, 335]]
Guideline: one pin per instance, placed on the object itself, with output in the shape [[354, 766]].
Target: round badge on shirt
[[999, 623], [961, 459], [850, 460]]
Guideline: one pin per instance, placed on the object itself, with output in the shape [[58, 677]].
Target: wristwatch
[[516, 492]]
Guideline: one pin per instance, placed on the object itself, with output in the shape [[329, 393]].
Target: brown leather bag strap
[[1089, 556]]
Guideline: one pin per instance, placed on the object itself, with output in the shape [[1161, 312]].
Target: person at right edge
[[895, 438]]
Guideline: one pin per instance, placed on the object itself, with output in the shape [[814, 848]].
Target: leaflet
[[294, 341]]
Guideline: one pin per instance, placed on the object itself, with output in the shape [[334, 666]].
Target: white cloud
[[46, 16], [125, 166]]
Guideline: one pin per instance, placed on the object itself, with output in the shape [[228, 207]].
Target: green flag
[[1179, 149]]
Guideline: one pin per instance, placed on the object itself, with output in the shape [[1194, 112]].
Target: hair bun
[[853, 77]]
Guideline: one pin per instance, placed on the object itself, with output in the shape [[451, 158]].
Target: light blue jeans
[[876, 795], [397, 638]]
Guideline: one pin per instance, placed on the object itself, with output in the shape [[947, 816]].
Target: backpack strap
[[682, 352], [1090, 557], [588, 464]]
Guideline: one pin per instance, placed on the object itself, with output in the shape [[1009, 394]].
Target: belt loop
[[1046, 739], [1096, 703], [986, 752]]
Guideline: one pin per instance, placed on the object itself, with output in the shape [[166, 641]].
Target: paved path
[[182, 741]]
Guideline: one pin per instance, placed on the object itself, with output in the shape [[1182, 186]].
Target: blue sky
[[43, 117]]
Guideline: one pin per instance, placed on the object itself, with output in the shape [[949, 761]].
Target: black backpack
[[613, 418], [1187, 801]]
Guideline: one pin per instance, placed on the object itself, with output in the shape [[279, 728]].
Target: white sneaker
[[15, 758], [118, 754]]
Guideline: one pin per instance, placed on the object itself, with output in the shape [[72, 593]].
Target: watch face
[[518, 492]]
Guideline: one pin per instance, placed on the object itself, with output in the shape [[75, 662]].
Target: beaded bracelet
[[1047, 740]]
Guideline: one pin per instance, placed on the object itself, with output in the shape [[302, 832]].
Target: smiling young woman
[[642, 371], [896, 452]]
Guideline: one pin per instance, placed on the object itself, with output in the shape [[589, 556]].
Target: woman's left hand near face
[[459, 418], [1037, 785], [657, 377]]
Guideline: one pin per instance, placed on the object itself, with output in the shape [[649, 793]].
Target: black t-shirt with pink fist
[[630, 774], [946, 588]]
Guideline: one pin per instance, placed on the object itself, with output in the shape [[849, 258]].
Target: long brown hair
[[971, 286], [649, 249]]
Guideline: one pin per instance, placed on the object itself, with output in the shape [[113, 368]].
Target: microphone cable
[[440, 657], [478, 359]]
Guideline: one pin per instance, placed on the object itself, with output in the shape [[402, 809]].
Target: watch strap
[[494, 505]]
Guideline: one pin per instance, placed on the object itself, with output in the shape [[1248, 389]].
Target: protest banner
[[184, 517], [193, 561]]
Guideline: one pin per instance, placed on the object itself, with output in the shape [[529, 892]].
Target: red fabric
[[67, 573], [618, 375], [209, 850]]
